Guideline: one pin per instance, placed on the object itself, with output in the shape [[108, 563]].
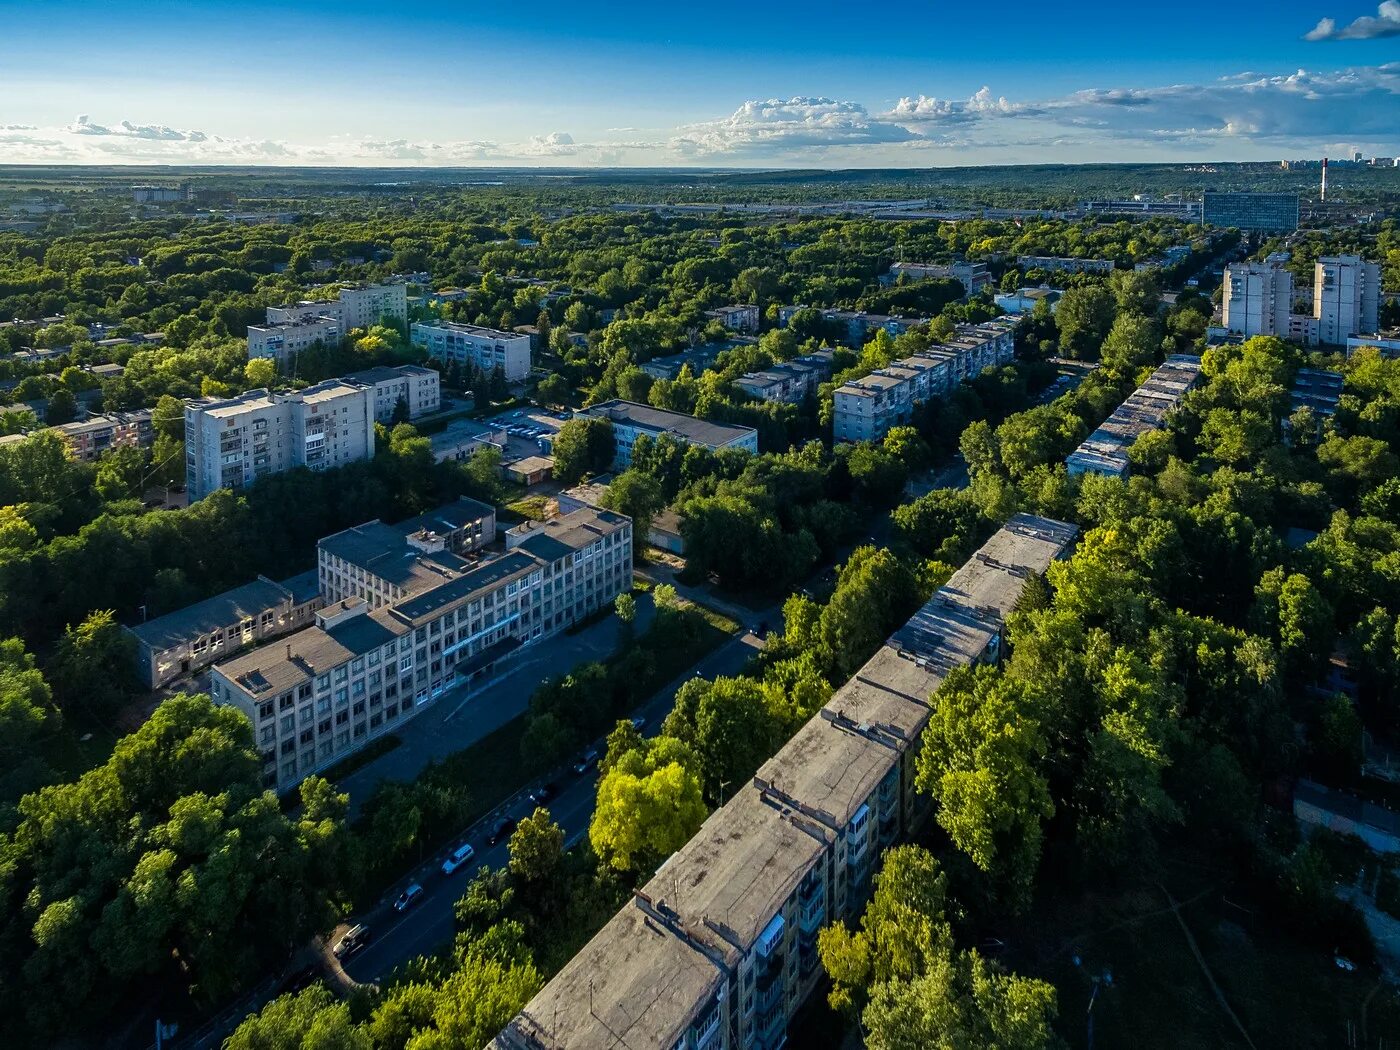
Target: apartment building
[[419, 388], [788, 381], [1256, 299], [860, 324], [231, 442], [1105, 451], [284, 341], [740, 317], [974, 276], [360, 671], [358, 306], [381, 564], [698, 359], [1387, 342], [196, 636], [91, 437], [485, 349], [1059, 264], [1316, 389], [718, 950], [865, 409], [1346, 297], [631, 421]]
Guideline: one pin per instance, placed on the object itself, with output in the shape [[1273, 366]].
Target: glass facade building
[[1268, 212]]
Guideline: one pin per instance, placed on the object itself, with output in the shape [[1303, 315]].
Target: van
[[459, 856], [355, 938]]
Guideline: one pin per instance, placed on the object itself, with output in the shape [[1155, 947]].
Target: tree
[[554, 389], [536, 850], [978, 761], [1132, 342], [637, 495], [1135, 292], [731, 727], [649, 805], [26, 712], [121, 473], [91, 667], [63, 407], [260, 372], [312, 1019], [1084, 317], [582, 446]]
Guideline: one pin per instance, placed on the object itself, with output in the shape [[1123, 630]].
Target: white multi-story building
[[1387, 342], [420, 389], [974, 276], [718, 951], [231, 442], [358, 306], [326, 691], [865, 409], [1256, 299], [1058, 264], [283, 341], [788, 381], [631, 421], [1346, 297], [741, 317], [484, 348]]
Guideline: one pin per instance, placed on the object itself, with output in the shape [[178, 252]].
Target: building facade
[[361, 671], [718, 950], [284, 341], [1266, 212], [358, 306], [91, 437], [631, 421], [485, 349], [791, 382], [740, 317], [1256, 299], [1346, 297], [865, 409], [974, 276], [419, 388], [1058, 264], [231, 442], [184, 641]]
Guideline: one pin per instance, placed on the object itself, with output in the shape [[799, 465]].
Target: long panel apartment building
[[865, 409], [285, 341], [1105, 451], [631, 421], [89, 438], [467, 344], [231, 442], [418, 388], [719, 949], [369, 663]]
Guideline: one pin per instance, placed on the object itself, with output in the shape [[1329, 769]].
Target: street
[[427, 926]]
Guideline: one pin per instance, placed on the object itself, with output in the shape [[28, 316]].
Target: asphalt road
[[397, 937]]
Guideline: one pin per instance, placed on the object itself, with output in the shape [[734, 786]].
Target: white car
[[460, 856]]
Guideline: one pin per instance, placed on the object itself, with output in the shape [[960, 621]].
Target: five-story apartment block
[[483, 348]]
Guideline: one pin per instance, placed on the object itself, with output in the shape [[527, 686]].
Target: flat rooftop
[[429, 602], [230, 607], [387, 374], [553, 539], [659, 421], [836, 760], [634, 986], [313, 650], [383, 550], [475, 330]]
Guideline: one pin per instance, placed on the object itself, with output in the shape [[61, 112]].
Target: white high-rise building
[[1256, 299], [231, 442], [1346, 297], [284, 341]]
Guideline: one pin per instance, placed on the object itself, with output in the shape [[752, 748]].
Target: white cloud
[[153, 132], [925, 109], [788, 124], [1385, 23]]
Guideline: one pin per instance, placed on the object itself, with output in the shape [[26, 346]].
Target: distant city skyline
[[729, 85]]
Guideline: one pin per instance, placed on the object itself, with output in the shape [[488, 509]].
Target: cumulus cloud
[[1385, 23], [84, 125], [925, 109], [789, 124]]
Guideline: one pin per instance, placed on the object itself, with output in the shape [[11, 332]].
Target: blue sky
[[716, 84]]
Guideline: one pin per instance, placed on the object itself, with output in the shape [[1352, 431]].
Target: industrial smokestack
[[1324, 180]]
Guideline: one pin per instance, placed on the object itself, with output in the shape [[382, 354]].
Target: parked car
[[301, 980], [544, 793], [501, 831], [355, 938], [460, 856], [638, 723], [409, 897], [586, 761]]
